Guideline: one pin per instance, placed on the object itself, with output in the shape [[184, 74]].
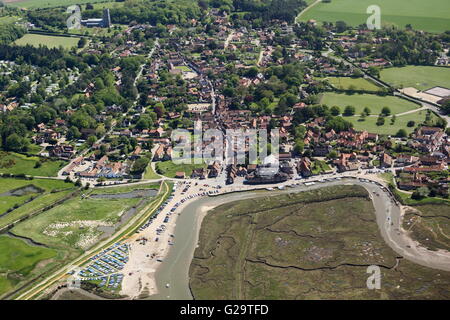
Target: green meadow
[[374, 102], [419, 77], [16, 163], [32, 4], [18, 259], [37, 40], [348, 83], [369, 124]]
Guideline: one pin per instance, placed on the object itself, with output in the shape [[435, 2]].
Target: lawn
[[15, 163], [18, 259], [347, 83], [319, 166], [369, 124], [374, 102], [419, 77], [431, 15], [169, 168], [50, 41]]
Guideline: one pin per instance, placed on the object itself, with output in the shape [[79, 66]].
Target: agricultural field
[[20, 197], [18, 261], [429, 225], [373, 102], [169, 168], [308, 245], [431, 15], [15, 163], [74, 224], [419, 77], [50, 41], [348, 83], [370, 123], [29, 4], [124, 189]]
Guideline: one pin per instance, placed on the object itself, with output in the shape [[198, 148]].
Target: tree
[[299, 146], [380, 121], [386, 111], [91, 140], [341, 26], [446, 107], [411, 124], [367, 111], [82, 42], [349, 111], [332, 154], [139, 166], [393, 118], [401, 133], [16, 143]]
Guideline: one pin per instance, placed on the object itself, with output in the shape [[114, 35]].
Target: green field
[[124, 189], [369, 124], [15, 163], [318, 167], [431, 15], [18, 259], [50, 41], [308, 245], [29, 4], [373, 102], [74, 224], [348, 83], [169, 169], [65, 230], [419, 77]]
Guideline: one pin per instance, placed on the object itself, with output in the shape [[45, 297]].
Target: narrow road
[[124, 232]]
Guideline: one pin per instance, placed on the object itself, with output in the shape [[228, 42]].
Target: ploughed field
[[308, 245]]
